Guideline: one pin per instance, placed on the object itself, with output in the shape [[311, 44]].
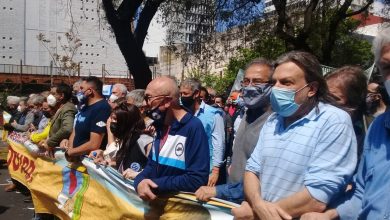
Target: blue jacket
[[181, 164]]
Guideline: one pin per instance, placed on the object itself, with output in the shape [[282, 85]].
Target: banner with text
[[91, 191]]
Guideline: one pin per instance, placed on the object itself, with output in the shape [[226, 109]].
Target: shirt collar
[[311, 116], [201, 108]]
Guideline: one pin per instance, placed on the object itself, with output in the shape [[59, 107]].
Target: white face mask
[[51, 100], [113, 98]]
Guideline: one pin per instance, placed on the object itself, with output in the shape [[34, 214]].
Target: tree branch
[[364, 8], [146, 16]]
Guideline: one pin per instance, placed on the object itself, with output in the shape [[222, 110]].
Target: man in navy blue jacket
[[179, 157]]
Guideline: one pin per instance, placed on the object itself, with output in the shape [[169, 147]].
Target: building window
[[10, 48], [10, 57], [91, 62], [10, 38]]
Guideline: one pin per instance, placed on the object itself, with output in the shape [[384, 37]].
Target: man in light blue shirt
[[212, 121], [370, 198], [306, 152]]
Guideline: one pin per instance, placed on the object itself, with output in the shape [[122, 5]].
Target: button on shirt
[[371, 198], [317, 151]]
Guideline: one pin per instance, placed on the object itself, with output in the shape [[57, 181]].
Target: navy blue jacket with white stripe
[[182, 164]]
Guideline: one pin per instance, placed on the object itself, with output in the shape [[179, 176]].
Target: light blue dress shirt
[[214, 126], [317, 151], [371, 195]]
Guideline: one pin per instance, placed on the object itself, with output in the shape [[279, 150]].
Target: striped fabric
[[318, 151]]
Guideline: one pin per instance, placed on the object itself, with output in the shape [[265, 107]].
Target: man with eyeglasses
[[180, 149], [256, 90], [306, 152]]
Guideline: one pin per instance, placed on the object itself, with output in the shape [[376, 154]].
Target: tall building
[[22, 21]]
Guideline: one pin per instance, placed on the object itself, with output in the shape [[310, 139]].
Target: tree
[[63, 58]]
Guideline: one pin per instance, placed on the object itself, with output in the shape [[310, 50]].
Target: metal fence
[[57, 71]]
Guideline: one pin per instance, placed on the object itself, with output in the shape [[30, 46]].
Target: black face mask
[[46, 114], [114, 128], [187, 102], [372, 106]]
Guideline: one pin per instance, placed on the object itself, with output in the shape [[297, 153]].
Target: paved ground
[[12, 206]]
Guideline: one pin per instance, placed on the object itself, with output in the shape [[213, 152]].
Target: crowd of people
[[291, 143]]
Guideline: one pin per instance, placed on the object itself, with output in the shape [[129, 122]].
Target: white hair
[[121, 87], [137, 95], [13, 100], [382, 39]]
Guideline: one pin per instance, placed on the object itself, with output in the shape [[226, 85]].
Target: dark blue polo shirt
[[91, 118]]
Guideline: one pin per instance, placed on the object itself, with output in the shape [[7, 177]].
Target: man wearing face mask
[[212, 121], [377, 101], [118, 91], [306, 152], [25, 119], [180, 149], [255, 94], [12, 109], [62, 121], [89, 132]]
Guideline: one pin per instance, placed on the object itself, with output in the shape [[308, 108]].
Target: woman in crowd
[[348, 85], [126, 152]]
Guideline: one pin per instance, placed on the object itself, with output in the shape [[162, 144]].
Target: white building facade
[[22, 21]]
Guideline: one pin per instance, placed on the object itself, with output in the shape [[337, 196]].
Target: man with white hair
[[118, 90], [369, 199], [12, 109]]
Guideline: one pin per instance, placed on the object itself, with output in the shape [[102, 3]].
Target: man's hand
[[14, 123], [64, 144], [204, 193], [43, 144], [244, 212], [144, 189], [129, 173], [328, 215], [213, 178], [269, 211]]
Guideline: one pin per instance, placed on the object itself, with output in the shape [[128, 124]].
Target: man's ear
[[313, 89], [197, 94]]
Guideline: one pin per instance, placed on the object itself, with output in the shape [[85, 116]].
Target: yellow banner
[[89, 191]]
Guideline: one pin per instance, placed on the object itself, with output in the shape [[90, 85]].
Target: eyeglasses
[[254, 82], [148, 98]]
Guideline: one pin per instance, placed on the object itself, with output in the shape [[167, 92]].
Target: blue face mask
[[256, 96], [82, 98], [240, 102], [283, 101]]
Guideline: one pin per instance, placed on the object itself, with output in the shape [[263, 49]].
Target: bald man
[[180, 149]]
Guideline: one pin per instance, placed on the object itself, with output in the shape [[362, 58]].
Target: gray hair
[[121, 87], [137, 95], [382, 39], [260, 61], [36, 99], [193, 83], [13, 100]]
